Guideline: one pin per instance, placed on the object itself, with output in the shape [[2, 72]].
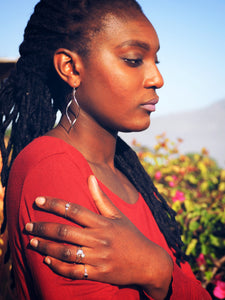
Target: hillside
[[198, 128]]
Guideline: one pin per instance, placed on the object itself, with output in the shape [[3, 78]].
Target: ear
[[68, 65]]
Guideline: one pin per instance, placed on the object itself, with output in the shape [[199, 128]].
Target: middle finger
[[62, 232], [67, 253]]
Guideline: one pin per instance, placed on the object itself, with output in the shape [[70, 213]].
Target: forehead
[[124, 32]]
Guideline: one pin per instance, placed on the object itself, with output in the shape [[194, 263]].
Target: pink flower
[[158, 175], [172, 183], [219, 291], [179, 196], [201, 260]]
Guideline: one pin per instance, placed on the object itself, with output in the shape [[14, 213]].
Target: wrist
[[169, 293], [160, 276]]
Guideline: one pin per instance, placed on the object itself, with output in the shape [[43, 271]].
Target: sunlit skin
[[116, 91], [121, 76]]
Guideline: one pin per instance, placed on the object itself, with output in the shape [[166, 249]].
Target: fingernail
[[40, 200], [34, 242], [47, 260], [94, 181], [29, 227]]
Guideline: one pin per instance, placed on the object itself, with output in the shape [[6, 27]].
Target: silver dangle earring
[[72, 122]]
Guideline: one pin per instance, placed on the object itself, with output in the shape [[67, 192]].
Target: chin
[[136, 127]]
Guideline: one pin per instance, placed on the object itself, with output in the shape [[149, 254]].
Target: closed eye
[[133, 62]]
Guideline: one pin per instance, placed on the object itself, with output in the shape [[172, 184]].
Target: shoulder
[[48, 166], [46, 149], [48, 157]]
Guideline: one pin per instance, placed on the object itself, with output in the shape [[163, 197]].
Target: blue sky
[[192, 54]]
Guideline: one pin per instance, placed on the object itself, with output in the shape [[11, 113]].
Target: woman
[[96, 61]]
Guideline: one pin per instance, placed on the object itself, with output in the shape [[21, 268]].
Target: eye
[[133, 62]]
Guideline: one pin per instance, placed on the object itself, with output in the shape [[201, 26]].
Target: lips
[[150, 105]]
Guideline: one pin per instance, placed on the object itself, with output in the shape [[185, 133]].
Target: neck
[[95, 143], [98, 146]]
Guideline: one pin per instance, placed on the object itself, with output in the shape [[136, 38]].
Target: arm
[[184, 284], [34, 279], [115, 250]]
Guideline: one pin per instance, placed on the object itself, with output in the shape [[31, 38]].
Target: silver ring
[[85, 272], [79, 255], [67, 206]]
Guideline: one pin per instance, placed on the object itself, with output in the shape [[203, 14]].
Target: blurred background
[[192, 62], [191, 109]]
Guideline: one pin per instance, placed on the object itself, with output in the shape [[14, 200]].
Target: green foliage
[[194, 186]]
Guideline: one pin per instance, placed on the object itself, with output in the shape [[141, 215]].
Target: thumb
[[103, 203]]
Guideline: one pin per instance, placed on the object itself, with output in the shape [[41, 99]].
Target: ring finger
[[64, 252]]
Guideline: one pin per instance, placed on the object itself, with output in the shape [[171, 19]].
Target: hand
[[115, 251]]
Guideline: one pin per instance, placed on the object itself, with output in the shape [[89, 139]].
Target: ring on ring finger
[[67, 206], [79, 255]]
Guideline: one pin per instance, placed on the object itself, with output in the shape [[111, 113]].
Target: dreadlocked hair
[[33, 93], [126, 160]]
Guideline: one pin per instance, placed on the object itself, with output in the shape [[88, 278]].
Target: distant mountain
[[198, 128]]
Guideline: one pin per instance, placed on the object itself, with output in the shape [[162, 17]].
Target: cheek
[[118, 84], [110, 86], [114, 74]]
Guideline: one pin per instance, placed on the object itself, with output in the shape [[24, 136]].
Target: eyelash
[[136, 62], [133, 62]]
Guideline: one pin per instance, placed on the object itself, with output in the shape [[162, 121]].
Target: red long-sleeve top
[[50, 167]]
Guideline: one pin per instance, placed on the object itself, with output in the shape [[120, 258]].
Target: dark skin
[[109, 240]]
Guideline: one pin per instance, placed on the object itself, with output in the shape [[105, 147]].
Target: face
[[119, 81]]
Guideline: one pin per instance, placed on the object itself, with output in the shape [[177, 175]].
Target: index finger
[[72, 211]]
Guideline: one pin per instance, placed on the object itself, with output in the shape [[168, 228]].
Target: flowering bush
[[194, 186]]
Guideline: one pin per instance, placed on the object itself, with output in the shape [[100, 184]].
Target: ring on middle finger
[[79, 255]]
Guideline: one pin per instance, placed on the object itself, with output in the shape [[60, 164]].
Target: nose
[[153, 78]]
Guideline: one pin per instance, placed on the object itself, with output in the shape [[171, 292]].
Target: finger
[[63, 233], [103, 203], [72, 271], [72, 211], [66, 253]]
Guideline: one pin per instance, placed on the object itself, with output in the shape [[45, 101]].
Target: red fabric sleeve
[[185, 286], [33, 277]]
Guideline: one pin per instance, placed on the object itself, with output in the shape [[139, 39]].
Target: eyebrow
[[135, 43]]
